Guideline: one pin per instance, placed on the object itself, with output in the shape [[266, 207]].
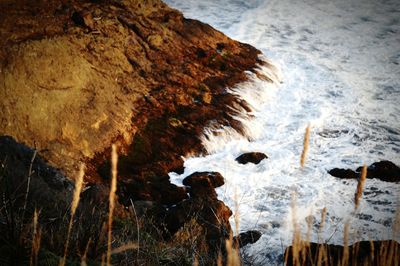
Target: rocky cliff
[[78, 76]]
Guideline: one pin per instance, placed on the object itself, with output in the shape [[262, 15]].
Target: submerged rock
[[251, 157], [383, 170]]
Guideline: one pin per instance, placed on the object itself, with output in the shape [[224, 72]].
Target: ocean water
[[337, 69]]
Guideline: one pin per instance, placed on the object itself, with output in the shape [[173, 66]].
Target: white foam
[[340, 65]]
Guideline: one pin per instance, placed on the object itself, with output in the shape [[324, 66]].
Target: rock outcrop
[[383, 170], [78, 76], [204, 207], [26, 178]]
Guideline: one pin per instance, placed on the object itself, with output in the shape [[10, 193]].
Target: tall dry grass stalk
[[137, 229], [321, 256], [232, 253], [74, 206], [28, 185], [360, 187], [345, 257], [113, 189], [195, 261], [125, 247], [219, 259], [232, 249], [296, 242], [236, 215], [36, 237], [84, 256], [305, 146], [396, 234]]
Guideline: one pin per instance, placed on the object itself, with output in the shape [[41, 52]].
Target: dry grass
[[305, 146], [74, 206], [36, 236], [301, 253], [360, 187], [232, 253], [113, 189], [184, 248]]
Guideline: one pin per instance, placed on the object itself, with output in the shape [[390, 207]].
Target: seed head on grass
[[36, 237], [296, 242], [84, 256], [305, 146], [74, 206], [232, 253], [113, 189], [360, 187]]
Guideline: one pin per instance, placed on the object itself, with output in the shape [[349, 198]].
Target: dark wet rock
[[360, 253], [204, 207], [48, 187], [202, 184], [159, 190], [248, 237], [251, 157], [207, 179], [383, 170], [210, 213], [343, 173]]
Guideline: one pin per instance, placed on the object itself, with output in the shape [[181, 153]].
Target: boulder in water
[[248, 237], [251, 157], [383, 170], [343, 173]]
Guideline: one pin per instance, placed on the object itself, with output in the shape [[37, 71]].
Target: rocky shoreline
[[78, 76], [138, 74]]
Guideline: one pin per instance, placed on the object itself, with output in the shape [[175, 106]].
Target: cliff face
[[77, 76]]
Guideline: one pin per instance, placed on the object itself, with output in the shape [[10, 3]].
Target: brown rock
[[99, 74], [203, 206], [202, 184], [215, 179], [251, 157]]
